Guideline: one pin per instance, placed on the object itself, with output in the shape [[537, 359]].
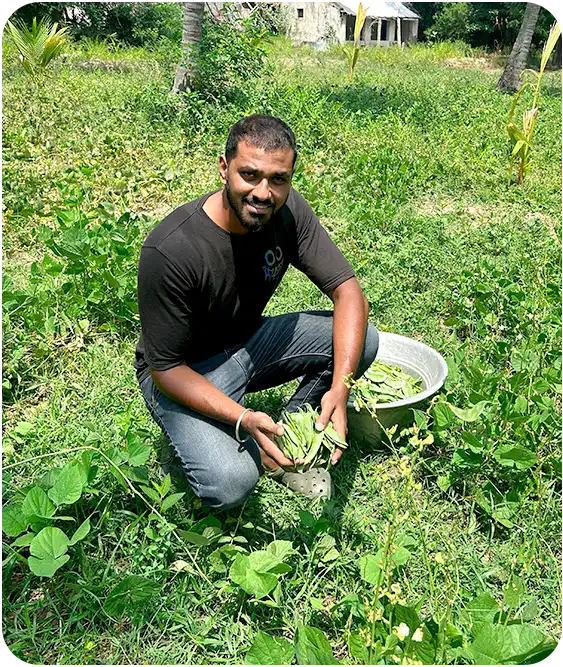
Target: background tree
[[452, 22], [191, 37], [510, 79]]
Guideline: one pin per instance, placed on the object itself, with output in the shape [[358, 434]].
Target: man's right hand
[[263, 429]]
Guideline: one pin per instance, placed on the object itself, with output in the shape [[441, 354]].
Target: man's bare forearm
[[186, 386], [350, 322]]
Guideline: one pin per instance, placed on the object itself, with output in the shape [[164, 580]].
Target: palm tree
[[191, 37], [510, 79]]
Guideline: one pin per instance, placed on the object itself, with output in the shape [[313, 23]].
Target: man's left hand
[[333, 409]]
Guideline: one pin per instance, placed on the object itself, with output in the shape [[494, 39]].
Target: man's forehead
[[248, 153]]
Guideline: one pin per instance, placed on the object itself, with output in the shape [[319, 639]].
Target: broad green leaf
[[473, 441], [80, 532], [268, 650], [370, 570], [131, 592], [358, 649], [46, 567], [481, 612], [463, 458], [195, 538], [68, 487], [540, 654], [514, 592], [444, 482], [222, 557], [511, 644], [138, 452], [262, 561], [280, 549], [312, 647], [23, 428], [471, 414], [13, 520], [170, 500], [23, 540], [37, 505], [443, 416], [370, 564], [515, 456], [50, 542], [406, 615], [252, 582], [425, 650]]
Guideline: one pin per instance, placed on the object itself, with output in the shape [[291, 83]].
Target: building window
[[383, 30], [299, 13]]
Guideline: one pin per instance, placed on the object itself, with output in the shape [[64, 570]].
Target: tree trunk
[[191, 37], [510, 79]]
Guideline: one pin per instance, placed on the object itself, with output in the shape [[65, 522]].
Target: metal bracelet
[[237, 427]]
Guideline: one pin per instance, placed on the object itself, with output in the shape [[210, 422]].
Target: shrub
[[452, 22]]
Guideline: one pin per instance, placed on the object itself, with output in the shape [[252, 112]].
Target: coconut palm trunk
[[191, 37], [510, 79]]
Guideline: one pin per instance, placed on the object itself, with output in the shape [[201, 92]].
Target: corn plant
[[37, 46], [352, 53], [521, 139]]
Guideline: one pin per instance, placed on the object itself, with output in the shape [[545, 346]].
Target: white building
[[324, 22]]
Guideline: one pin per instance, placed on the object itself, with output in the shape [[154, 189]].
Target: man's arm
[[349, 329], [193, 390]]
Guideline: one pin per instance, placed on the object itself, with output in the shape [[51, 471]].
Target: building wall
[[320, 21]]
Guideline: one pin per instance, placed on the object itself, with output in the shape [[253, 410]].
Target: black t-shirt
[[202, 289]]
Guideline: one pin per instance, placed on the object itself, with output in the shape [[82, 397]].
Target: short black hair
[[266, 132]]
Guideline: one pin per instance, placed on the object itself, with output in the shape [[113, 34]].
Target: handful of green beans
[[301, 440], [385, 384]]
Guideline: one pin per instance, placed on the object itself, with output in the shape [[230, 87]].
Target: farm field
[[441, 546]]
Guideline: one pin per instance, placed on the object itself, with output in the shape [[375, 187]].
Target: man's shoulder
[[297, 204], [176, 228]]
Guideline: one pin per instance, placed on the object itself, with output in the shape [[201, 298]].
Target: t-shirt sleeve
[[317, 256], [166, 318]]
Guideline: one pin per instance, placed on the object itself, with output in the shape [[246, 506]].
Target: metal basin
[[414, 358]]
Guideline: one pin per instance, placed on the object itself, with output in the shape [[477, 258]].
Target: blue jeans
[[221, 471]]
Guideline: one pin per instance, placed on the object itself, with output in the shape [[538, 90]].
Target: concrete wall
[[319, 22]]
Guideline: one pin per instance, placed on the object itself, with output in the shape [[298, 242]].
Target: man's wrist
[[340, 388]]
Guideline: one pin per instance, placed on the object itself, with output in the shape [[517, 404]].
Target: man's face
[[257, 183]]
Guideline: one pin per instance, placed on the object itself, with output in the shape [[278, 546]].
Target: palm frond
[[37, 45]]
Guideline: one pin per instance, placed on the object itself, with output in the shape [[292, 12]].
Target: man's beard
[[254, 222]]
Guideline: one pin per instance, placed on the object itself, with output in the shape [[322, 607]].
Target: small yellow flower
[[401, 631], [439, 558], [418, 635]]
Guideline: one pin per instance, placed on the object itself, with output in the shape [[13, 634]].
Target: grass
[[406, 168]]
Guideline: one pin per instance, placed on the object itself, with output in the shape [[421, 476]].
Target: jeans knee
[[231, 486], [369, 352]]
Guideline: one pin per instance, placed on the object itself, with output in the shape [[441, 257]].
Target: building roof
[[380, 10]]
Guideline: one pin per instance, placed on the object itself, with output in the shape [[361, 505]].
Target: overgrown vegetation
[[442, 545]]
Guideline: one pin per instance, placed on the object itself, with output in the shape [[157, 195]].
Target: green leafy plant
[[521, 137], [37, 46], [352, 53], [258, 573]]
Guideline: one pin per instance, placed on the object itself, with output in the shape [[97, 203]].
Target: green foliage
[[230, 55], [87, 283], [131, 592], [521, 139], [37, 46], [452, 22], [413, 189]]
